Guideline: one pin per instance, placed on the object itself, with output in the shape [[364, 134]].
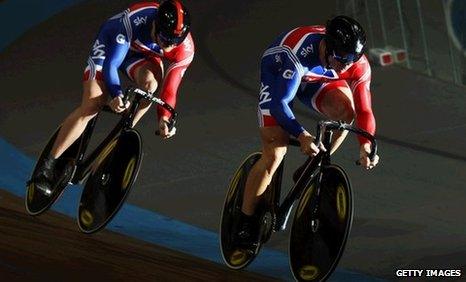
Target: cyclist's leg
[[147, 74], [274, 145], [93, 100], [336, 102], [93, 97], [274, 138], [332, 99]]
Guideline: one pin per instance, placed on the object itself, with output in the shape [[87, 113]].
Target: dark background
[[409, 211]]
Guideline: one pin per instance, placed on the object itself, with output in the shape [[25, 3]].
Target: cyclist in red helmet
[[134, 43]]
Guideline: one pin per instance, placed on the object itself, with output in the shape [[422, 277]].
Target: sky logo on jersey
[[98, 50], [264, 94], [307, 50], [140, 20]]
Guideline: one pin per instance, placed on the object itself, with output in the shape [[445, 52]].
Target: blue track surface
[[15, 169]]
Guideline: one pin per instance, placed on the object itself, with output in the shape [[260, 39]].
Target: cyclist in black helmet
[[345, 40], [134, 43], [325, 68]]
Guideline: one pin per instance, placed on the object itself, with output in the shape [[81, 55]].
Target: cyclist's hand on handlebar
[[117, 105], [307, 144], [164, 131], [364, 160]]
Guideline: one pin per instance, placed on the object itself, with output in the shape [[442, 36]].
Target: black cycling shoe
[[44, 179], [247, 231]]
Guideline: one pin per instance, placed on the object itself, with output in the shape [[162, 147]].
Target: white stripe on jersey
[[92, 72], [140, 45], [284, 38], [117, 16], [131, 66], [181, 63], [140, 9], [279, 49], [289, 53], [300, 42], [316, 75], [128, 27]]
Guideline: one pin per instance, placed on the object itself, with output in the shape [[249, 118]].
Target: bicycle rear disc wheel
[[111, 178], [317, 240], [234, 257]]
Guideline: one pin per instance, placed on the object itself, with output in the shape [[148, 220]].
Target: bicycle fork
[[284, 210]]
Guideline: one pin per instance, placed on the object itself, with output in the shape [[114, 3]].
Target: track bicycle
[[109, 171], [323, 216]]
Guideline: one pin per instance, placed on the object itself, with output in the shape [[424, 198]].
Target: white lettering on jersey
[[120, 39], [140, 20], [288, 74], [307, 50], [264, 94], [98, 50]]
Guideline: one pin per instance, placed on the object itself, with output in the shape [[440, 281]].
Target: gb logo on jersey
[[98, 51], [120, 39], [288, 74], [264, 94]]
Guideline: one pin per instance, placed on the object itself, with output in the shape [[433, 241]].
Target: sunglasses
[[169, 41], [348, 59]]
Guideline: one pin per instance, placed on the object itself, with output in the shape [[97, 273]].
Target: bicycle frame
[[83, 166], [312, 170]]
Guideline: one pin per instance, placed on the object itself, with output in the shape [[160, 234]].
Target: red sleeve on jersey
[[180, 58], [360, 86], [137, 6]]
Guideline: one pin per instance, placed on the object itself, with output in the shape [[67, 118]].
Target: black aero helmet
[[345, 39], [172, 22]]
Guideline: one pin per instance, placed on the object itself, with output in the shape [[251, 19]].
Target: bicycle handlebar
[[323, 126], [150, 97]]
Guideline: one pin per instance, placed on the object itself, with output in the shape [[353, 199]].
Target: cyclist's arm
[[115, 56], [285, 91], [362, 102], [174, 74]]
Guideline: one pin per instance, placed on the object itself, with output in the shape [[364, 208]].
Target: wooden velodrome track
[[49, 248]]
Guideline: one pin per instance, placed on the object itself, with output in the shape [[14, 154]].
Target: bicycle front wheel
[[110, 181], [321, 226]]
